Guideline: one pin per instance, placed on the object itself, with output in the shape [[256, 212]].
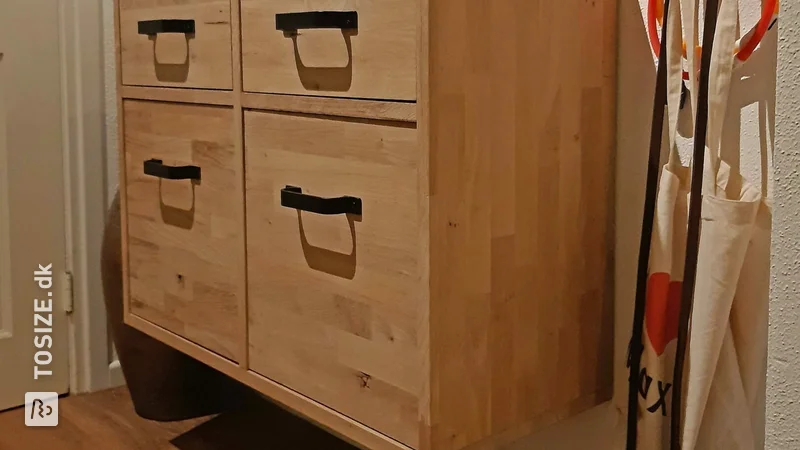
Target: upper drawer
[[325, 54], [176, 43]]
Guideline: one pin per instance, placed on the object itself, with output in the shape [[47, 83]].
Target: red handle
[[767, 13], [655, 10]]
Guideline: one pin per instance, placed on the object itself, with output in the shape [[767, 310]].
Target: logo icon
[[41, 409]]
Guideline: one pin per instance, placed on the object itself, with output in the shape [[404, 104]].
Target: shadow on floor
[[258, 425]]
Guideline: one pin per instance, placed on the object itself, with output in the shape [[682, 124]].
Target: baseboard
[[115, 376]]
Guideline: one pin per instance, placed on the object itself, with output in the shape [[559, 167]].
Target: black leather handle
[[293, 197], [153, 27], [157, 168], [344, 20]]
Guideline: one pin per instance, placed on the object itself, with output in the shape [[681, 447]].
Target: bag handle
[[721, 26], [709, 123], [675, 86], [720, 80], [691, 24], [636, 346]]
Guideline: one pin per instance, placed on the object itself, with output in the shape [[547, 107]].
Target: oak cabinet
[[392, 216]]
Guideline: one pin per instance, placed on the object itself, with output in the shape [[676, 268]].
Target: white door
[[33, 324]]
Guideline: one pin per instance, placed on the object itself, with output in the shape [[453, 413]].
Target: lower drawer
[[333, 299], [185, 225]]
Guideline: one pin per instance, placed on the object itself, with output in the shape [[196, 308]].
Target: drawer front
[[376, 60], [333, 299], [185, 246], [176, 43]]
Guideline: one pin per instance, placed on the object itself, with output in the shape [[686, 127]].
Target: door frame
[[89, 180]]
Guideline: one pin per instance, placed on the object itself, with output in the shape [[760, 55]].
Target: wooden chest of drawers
[[391, 216]]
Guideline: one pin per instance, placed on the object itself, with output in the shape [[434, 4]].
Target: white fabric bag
[[667, 255], [726, 354]]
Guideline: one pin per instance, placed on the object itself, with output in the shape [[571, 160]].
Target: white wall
[[783, 383]]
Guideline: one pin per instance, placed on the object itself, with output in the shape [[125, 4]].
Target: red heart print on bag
[[663, 310]]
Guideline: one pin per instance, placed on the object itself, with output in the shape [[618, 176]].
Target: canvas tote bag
[[726, 351], [724, 362], [658, 292]]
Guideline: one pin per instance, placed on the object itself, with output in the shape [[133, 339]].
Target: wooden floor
[[106, 421]]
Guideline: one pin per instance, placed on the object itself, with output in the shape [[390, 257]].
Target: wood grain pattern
[[524, 436], [423, 239], [320, 414], [199, 60], [175, 95], [184, 237], [472, 303], [521, 141], [365, 109], [333, 309], [121, 172], [238, 142], [377, 61]]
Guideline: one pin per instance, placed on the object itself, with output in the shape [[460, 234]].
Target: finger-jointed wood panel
[[332, 308], [377, 60], [521, 142], [184, 237], [201, 59]]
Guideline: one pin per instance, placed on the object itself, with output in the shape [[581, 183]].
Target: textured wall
[[783, 375]]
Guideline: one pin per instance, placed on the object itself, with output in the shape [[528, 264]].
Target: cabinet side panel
[[521, 119], [423, 189]]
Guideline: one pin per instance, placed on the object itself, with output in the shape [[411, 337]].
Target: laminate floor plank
[[106, 421]]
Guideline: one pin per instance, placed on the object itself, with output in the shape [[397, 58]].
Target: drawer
[[185, 244], [334, 299], [176, 43], [375, 60]]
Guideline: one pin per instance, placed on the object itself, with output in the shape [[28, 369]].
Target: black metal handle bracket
[[157, 168], [291, 22], [293, 197], [154, 27]]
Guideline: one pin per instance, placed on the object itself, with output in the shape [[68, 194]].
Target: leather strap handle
[[291, 22], [293, 197], [157, 168], [154, 27]]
